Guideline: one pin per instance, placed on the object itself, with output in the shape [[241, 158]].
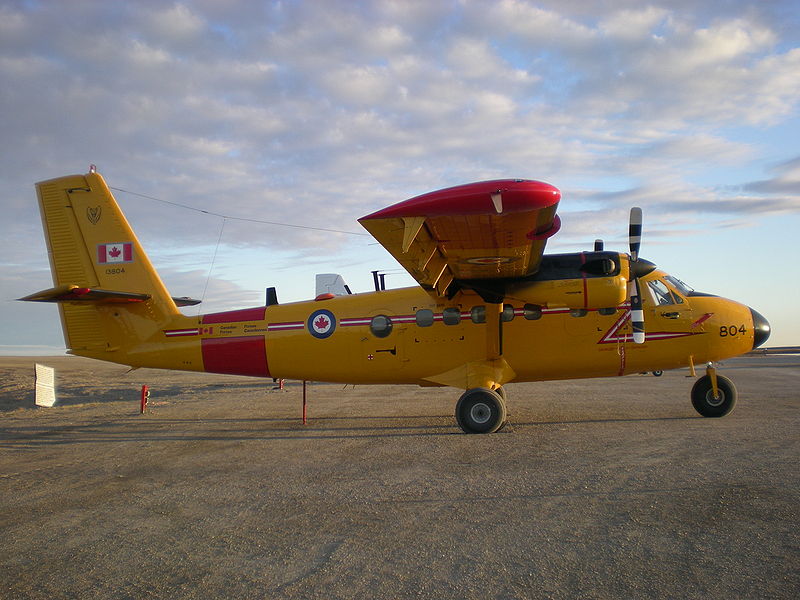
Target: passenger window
[[532, 312], [424, 317], [451, 316], [660, 292], [578, 312], [478, 314], [607, 311], [508, 313], [381, 326]]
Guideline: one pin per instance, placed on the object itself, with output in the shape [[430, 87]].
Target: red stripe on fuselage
[[236, 316], [236, 355]]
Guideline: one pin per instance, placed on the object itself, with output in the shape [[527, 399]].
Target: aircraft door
[[668, 311]]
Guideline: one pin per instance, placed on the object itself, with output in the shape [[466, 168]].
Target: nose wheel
[[481, 410], [713, 395]]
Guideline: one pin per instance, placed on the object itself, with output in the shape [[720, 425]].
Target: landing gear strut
[[713, 395], [481, 410]]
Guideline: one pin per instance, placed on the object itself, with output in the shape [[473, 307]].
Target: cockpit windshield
[[682, 287], [660, 292]]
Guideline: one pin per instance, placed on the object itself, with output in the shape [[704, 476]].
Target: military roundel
[[321, 324]]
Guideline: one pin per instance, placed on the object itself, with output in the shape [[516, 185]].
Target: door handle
[[670, 315]]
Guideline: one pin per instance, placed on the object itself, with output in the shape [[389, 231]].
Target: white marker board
[[45, 386]]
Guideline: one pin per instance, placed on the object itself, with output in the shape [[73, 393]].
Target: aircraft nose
[[761, 329]]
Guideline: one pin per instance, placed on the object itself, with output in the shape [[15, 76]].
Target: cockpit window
[[661, 293], [683, 288]]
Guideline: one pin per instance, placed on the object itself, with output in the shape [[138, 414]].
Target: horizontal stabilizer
[[74, 293], [185, 301]]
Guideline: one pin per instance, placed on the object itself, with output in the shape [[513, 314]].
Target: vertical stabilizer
[[91, 245]]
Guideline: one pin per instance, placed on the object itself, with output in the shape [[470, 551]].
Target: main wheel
[[704, 401], [480, 410], [501, 391]]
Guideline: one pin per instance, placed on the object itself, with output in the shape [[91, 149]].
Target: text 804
[[731, 330]]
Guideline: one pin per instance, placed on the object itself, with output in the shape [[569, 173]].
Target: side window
[[532, 312], [578, 312], [424, 317], [660, 292], [607, 311], [381, 326], [508, 313], [451, 316]]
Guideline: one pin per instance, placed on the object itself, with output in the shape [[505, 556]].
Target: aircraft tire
[[703, 397], [480, 410], [658, 373], [501, 391]]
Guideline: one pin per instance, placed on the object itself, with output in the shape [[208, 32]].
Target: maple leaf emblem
[[321, 322], [114, 252]]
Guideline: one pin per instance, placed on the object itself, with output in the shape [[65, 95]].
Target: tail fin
[[108, 292]]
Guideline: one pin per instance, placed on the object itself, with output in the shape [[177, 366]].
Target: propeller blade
[[635, 241], [637, 314], [635, 232]]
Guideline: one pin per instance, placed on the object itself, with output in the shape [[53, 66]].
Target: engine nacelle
[[588, 280]]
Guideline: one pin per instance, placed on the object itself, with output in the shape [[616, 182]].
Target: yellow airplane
[[490, 308]]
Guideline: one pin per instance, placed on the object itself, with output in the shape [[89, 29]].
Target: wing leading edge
[[490, 230]]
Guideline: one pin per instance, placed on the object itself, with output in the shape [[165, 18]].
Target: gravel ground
[[596, 489]]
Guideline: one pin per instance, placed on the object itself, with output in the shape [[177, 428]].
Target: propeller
[[635, 241]]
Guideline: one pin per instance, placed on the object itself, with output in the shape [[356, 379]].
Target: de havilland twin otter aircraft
[[490, 308]]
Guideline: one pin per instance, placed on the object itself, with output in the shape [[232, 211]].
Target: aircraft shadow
[[610, 420], [119, 430]]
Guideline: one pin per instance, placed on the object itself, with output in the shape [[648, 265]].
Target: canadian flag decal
[[118, 252]]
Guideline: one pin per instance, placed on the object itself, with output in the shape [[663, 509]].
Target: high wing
[[490, 231]]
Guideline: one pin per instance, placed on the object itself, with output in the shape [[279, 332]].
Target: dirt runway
[[596, 489]]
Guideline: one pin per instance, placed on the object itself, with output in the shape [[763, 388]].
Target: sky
[[312, 114]]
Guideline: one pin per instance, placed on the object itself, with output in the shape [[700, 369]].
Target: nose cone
[[761, 329]]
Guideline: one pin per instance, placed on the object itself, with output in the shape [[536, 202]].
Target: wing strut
[[494, 331]]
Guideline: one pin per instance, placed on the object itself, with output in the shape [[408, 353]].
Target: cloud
[[318, 113], [176, 23], [633, 24], [786, 180]]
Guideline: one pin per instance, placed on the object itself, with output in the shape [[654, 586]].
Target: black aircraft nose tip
[[761, 329]]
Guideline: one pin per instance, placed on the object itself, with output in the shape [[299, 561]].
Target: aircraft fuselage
[[407, 336]]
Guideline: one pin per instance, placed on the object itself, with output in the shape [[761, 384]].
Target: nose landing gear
[[713, 395]]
